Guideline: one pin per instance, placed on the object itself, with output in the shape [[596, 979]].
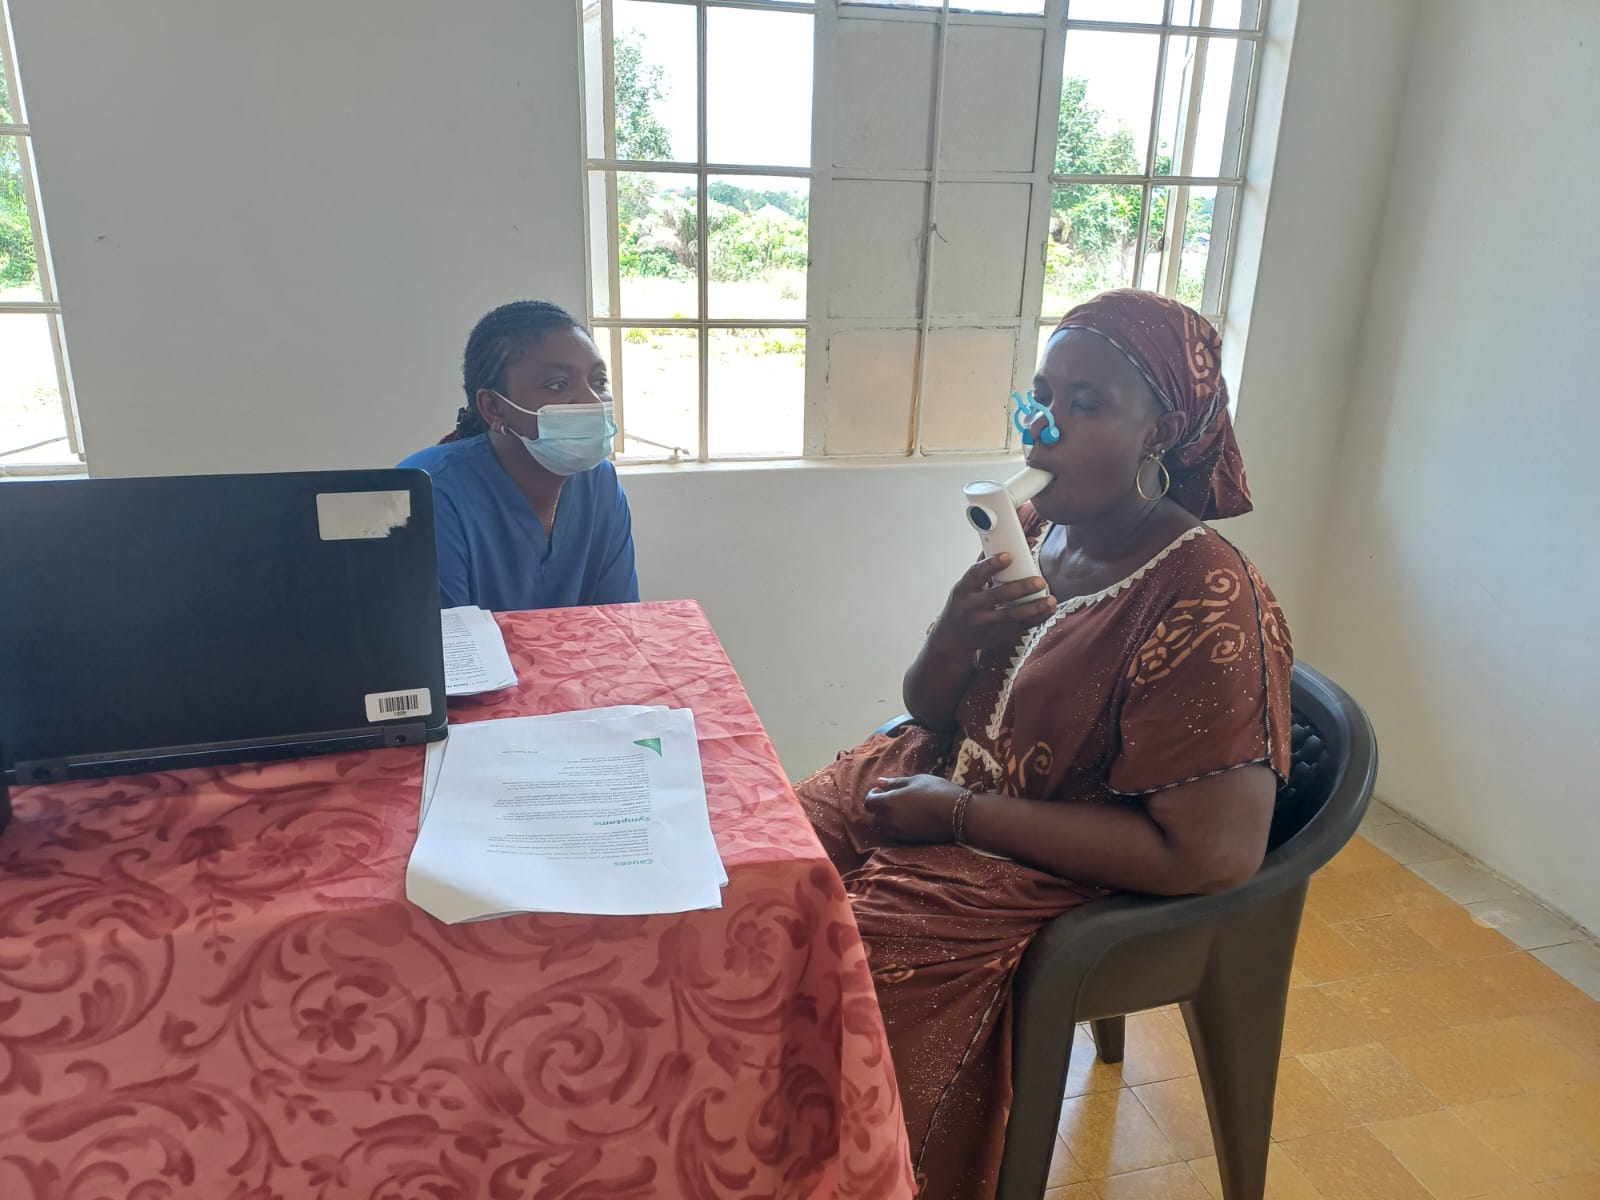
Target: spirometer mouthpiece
[[1026, 484]]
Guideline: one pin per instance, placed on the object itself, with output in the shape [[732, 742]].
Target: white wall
[[257, 277], [1459, 599], [1303, 269], [274, 224]]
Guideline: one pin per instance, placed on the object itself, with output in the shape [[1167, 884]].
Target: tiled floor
[[1432, 1049]]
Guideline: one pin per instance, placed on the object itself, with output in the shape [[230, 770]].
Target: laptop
[[151, 624]]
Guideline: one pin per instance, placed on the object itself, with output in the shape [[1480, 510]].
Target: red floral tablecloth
[[211, 984]]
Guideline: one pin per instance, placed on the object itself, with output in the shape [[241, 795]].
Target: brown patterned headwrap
[[1179, 354]]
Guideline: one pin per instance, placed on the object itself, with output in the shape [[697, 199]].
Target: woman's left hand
[[916, 809]]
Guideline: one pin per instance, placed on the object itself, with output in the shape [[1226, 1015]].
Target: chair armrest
[[896, 724]]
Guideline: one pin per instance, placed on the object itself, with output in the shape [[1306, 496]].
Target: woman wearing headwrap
[[1126, 733]]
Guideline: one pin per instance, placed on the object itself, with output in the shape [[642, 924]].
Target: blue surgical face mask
[[1028, 410], [573, 438]]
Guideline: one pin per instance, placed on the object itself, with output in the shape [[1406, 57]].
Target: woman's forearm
[[934, 685], [1106, 845]]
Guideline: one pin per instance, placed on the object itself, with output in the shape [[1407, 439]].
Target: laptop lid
[[148, 624]]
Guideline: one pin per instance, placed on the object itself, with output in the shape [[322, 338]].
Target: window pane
[[659, 390], [7, 107], [1218, 14], [1107, 88], [654, 53], [757, 396], [600, 244], [1127, 11], [1183, 258], [1202, 106], [33, 425], [757, 246], [1093, 231], [1025, 7], [19, 263], [758, 87], [657, 245], [1046, 332]]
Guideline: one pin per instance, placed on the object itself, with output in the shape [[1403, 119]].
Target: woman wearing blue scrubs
[[527, 509]]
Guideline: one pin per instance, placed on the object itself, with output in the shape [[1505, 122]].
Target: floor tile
[[1574, 1187], [1580, 1107], [1444, 1155], [1155, 1049], [1526, 922], [1110, 1133], [1532, 1135], [1375, 893], [1358, 854], [1485, 1060], [1352, 1164], [1463, 880], [1086, 1073], [1389, 944], [1515, 984], [1078, 1191], [1576, 962], [1064, 1169], [1576, 1028], [1406, 1002], [1379, 813], [1174, 1015], [1304, 1105], [1455, 934], [1179, 1109], [1313, 1021], [1285, 1181], [1371, 1083], [1322, 953], [1407, 843], [1176, 1182]]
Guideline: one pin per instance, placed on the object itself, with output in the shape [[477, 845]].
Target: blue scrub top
[[493, 552]]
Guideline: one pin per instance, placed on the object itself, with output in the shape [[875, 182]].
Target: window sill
[[984, 458], [43, 471]]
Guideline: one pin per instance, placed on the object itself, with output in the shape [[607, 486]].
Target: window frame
[[1031, 322], [1241, 113], [703, 169], [49, 304]]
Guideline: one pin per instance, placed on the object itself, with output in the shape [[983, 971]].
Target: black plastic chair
[[1225, 959]]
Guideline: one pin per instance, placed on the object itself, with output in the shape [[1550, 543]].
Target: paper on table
[[475, 658], [433, 761], [584, 816]]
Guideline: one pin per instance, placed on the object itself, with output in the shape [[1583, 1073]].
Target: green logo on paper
[[650, 744]]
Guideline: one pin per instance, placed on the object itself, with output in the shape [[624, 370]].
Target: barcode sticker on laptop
[[397, 706]]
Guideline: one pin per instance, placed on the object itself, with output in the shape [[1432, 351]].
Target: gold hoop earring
[[1166, 478]]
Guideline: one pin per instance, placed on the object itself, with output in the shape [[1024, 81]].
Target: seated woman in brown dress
[[1124, 734]]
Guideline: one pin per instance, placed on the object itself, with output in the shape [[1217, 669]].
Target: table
[[211, 984]]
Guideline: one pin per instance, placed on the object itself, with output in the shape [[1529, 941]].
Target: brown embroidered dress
[[1177, 672]]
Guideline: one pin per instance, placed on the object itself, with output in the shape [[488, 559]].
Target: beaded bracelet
[[958, 817]]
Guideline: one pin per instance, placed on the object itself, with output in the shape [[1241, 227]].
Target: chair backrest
[[1333, 766]]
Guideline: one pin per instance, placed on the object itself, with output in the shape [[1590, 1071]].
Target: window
[[1150, 149], [38, 432], [874, 276], [698, 151]]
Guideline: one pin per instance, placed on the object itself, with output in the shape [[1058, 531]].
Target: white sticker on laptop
[[349, 516], [399, 706]]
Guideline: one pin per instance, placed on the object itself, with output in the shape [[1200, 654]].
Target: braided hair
[[497, 341]]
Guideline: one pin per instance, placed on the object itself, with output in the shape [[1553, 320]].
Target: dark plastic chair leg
[[1110, 1036], [1039, 1078], [1235, 1024]]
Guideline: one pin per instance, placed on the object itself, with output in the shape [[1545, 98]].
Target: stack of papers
[[475, 658], [602, 811]]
